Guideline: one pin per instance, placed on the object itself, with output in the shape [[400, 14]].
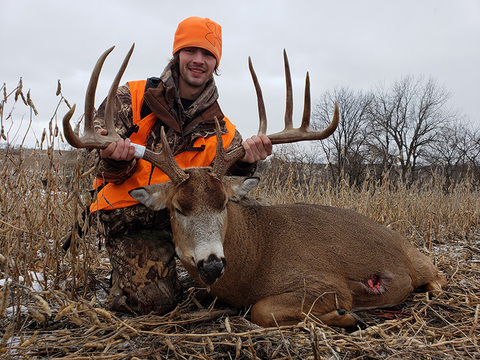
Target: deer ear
[[152, 196], [249, 184], [241, 186]]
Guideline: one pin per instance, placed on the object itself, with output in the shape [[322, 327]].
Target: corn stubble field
[[53, 303]]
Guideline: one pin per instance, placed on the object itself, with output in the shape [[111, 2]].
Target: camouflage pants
[[141, 252]]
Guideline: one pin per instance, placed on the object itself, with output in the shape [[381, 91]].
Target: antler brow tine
[[224, 160]]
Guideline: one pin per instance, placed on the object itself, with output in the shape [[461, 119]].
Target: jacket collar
[[164, 101]]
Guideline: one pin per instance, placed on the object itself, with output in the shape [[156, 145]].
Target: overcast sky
[[354, 44]]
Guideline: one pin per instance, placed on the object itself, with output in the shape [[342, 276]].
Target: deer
[[286, 261]]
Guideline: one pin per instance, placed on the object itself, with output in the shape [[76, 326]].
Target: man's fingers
[[107, 152], [121, 150], [267, 143], [257, 148]]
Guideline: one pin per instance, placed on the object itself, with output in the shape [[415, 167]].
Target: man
[[183, 101]]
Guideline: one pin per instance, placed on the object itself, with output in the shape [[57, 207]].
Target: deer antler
[[224, 160], [289, 134], [92, 140], [165, 161]]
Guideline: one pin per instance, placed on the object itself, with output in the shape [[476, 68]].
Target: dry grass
[[53, 304]]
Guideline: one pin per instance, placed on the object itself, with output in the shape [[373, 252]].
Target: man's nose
[[198, 56]]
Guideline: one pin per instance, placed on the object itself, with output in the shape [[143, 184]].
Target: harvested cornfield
[[53, 303]]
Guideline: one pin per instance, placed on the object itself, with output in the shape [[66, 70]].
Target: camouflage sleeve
[[111, 170], [240, 168]]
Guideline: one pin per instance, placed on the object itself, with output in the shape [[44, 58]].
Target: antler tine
[[91, 139], [289, 96], [306, 106], [92, 89], [290, 134], [261, 105], [165, 161], [109, 106], [224, 160]]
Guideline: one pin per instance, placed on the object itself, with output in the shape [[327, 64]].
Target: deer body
[[287, 260], [307, 246]]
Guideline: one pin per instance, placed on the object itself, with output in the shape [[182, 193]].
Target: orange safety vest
[[113, 196]]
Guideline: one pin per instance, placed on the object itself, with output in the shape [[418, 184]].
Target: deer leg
[[426, 276], [339, 317], [435, 285], [286, 309]]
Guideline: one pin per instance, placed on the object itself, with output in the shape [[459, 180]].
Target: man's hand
[[121, 150], [257, 148]]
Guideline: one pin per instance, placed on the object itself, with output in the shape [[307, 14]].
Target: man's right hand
[[121, 150]]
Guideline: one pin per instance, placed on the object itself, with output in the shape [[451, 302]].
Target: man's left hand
[[257, 148]]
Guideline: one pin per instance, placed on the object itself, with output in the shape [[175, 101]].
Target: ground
[[423, 327]]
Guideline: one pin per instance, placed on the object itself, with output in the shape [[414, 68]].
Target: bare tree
[[456, 152], [405, 119], [469, 146], [403, 128], [346, 148], [471, 149], [447, 152]]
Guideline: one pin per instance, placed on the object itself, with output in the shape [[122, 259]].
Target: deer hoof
[[341, 312]]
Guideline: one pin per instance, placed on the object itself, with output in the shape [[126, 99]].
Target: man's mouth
[[197, 70]]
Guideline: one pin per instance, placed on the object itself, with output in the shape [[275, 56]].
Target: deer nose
[[211, 269]]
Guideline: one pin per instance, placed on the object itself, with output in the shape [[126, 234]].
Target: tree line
[[406, 129]]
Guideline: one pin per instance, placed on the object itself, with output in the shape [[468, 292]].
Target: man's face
[[196, 69]]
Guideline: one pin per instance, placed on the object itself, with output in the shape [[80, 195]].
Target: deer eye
[[179, 212]]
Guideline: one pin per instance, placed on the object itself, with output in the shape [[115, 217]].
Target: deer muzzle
[[211, 269]]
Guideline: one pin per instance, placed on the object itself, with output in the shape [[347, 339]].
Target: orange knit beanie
[[199, 32]]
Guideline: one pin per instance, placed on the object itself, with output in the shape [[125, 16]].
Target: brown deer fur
[[289, 260]]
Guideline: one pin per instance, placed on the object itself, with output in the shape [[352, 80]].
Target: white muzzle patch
[[202, 237]]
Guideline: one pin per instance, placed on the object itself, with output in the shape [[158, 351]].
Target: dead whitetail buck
[[285, 260]]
